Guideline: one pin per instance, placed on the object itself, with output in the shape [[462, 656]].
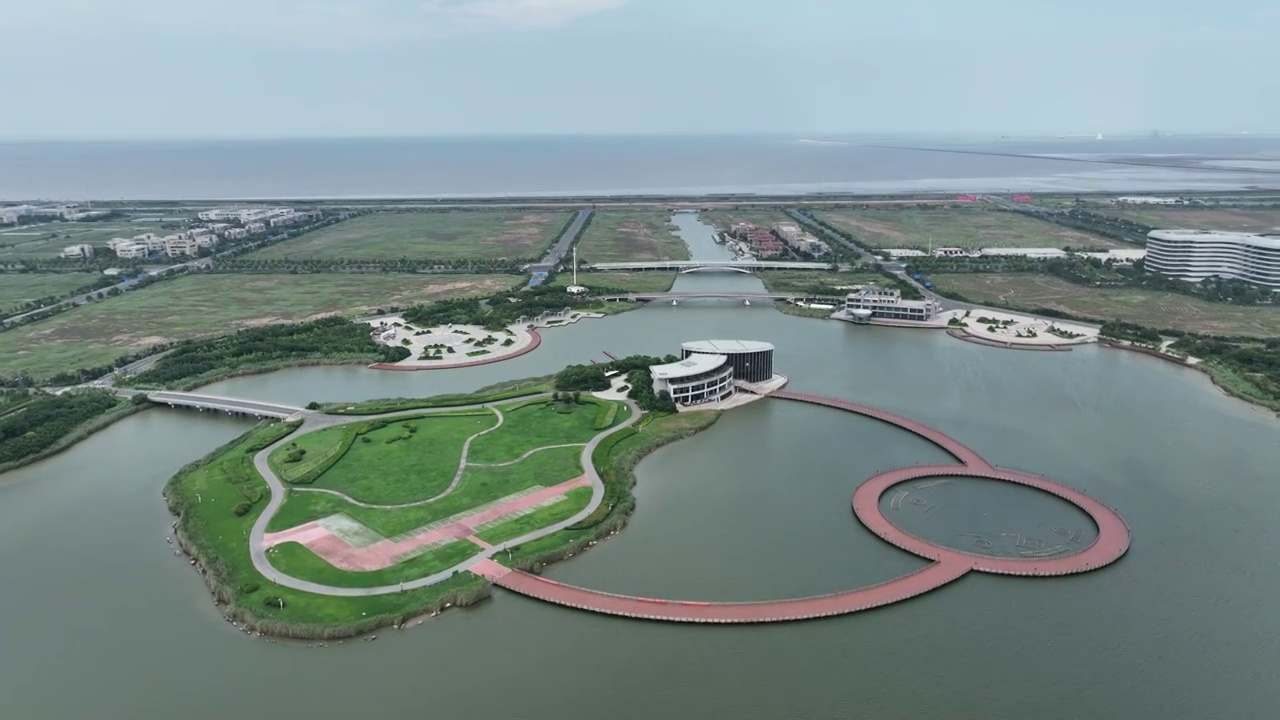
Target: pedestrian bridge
[[723, 295], [216, 403], [692, 266]]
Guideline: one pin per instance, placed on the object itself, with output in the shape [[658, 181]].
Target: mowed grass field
[[451, 235], [1146, 307], [204, 305], [631, 236], [1235, 219], [970, 228], [48, 239], [18, 288]]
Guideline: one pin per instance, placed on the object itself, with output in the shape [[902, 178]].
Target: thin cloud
[[530, 14]]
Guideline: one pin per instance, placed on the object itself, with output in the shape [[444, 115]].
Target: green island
[[367, 515]]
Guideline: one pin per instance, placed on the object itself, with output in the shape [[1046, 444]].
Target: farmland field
[[970, 228], [204, 305], [1152, 308], [452, 235], [18, 288], [631, 236], [1239, 220]]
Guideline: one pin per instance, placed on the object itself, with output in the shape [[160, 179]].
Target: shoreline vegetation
[[60, 429], [219, 497]]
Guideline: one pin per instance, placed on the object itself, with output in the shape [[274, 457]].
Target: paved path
[[257, 545], [948, 564]]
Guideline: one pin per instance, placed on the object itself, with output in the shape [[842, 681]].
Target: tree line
[[45, 419], [331, 337]]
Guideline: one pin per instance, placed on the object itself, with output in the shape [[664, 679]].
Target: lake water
[[102, 621], [531, 166]]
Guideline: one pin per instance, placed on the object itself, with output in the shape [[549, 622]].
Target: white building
[[877, 302], [132, 249], [1148, 200], [697, 379], [235, 233], [206, 241], [177, 245], [77, 251], [1194, 255]]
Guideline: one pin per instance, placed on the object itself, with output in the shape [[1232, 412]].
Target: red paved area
[[533, 345], [948, 564], [388, 552]]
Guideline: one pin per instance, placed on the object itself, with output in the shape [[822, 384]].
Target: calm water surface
[[102, 621]]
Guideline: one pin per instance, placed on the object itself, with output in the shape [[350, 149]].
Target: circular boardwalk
[[948, 564]]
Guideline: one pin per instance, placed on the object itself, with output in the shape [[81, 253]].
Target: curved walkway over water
[[948, 564]]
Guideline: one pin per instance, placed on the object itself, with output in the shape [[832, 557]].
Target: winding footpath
[[946, 564], [316, 421]]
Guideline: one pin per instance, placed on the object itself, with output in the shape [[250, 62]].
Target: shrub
[[242, 509], [275, 602], [365, 438], [249, 588]]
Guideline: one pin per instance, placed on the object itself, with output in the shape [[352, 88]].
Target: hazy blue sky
[[217, 68]]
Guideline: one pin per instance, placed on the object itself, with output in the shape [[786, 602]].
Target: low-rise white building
[[877, 302], [132, 250], [255, 227], [178, 245], [77, 251], [1195, 255], [235, 233]]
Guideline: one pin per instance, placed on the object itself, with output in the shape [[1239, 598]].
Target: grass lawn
[[724, 219], [479, 485], [206, 498], [214, 304], [403, 471], [786, 281], [640, 282], [298, 561], [451, 235], [534, 426], [1235, 219], [971, 228], [18, 288], [573, 502], [1145, 307], [631, 236]]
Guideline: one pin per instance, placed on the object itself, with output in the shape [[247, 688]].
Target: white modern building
[[877, 302], [751, 360], [177, 245], [1195, 255], [695, 380], [77, 251], [132, 250]]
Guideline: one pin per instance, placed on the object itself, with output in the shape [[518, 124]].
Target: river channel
[[101, 620]]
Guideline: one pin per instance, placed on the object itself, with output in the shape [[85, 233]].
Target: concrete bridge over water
[[217, 403], [676, 297], [692, 266]]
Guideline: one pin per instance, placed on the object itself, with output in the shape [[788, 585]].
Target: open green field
[[724, 219], [452, 235], [1155, 309], [298, 561], [18, 288], [206, 305], [573, 502], [631, 236], [800, 281], [391, 468], [479, 485], [536, 424], [1234, 219], [48, 239], [641, 282], [970, 228], [204, 497]]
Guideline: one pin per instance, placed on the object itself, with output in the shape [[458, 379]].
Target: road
[[896, 268], [258, 552], [557, 252]]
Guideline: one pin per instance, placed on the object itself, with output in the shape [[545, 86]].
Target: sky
[[139, 69]]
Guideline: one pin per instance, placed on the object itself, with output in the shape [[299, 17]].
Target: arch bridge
[[695, 266]]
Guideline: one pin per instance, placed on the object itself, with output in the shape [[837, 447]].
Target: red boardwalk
[[948, 564]]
